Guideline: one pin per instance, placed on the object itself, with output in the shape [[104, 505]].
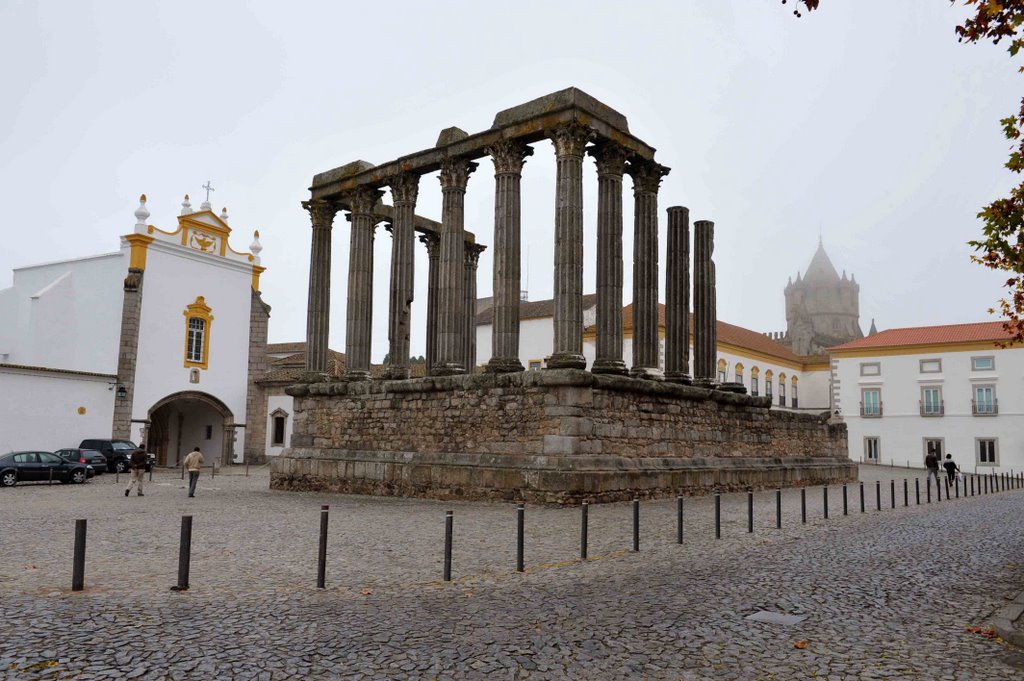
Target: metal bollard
[[956, 486], [947, 488], [718, 515], [972, 485], [928, 488], [803, 505], [151, 474], [78, 565], [892, 492], [184, 552], [448, 519], [750, 510], [636, 523], [938, 490], [183, 472], [846, 506], [117, 476], [520, 526], [778, 509], [878, 495], [583, 530], [247, 467], [906, 493], [824, 500], [862, 497], [679, 519], [917, 491], [321, 556], [213, 471]]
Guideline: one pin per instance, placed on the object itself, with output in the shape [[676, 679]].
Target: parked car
[[89, 456], [18, 467], [117, 452]]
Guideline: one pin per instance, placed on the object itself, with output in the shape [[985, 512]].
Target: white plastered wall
[[42, 410]]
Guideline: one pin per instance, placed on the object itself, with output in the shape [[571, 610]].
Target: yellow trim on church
[[199, 310], [139, 245], [256, 272]]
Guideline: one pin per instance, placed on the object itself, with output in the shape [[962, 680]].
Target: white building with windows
[[159, 342], [948, 389]]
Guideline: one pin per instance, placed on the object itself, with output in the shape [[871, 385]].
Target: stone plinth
[[557, 436]]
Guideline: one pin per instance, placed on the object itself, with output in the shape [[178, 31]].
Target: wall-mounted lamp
[[122, 392]]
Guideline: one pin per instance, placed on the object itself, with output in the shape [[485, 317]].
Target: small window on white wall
[[983, 363], [279, 423], [931, 366]]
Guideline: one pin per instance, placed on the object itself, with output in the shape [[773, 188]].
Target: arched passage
[[188, 419]]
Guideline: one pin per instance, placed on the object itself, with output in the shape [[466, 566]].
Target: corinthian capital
[[455, 172], [570, 138], [509, 156], [472, 254], [431, 241], [361, 200], [405, 187], [610, 157], [646, 176], [321, 212]]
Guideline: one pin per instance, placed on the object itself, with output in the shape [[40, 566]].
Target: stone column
[[255, 450], [704, 313], [473, 252], [431, 241], [677, 297], [318, 310], [611, 161], [404, 189], [508, 157], [359, 313], [451, 304], [128, 353], [646, 343], [569, 141]]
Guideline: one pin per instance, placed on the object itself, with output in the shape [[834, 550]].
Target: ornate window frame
[[198, 311]]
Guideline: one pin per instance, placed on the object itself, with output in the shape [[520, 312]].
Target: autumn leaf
[[800, 644]]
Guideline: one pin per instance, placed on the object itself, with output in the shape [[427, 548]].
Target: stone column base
[[609, 366], [354, 376], [448, 369], [681, 379], [647, 373], [709, 383], [503, 365], [396, 373], [566, 360]]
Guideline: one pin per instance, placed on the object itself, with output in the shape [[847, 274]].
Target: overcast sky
[[865, 121]]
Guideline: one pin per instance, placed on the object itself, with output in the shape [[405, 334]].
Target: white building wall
[[49, 411], [65, 315], [174, 277], [902, 431], [536, 341]]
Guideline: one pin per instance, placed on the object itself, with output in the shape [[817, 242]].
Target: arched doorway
[[190, 419]]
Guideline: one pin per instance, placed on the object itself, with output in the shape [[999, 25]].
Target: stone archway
[[188, 419]]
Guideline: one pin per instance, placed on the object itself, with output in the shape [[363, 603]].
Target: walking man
[[193, 462], [931, 462], [138, 464]]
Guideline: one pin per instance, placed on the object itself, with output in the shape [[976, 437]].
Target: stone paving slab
[[885, 595]]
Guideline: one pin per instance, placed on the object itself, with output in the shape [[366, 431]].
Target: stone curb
[[1004, 619]]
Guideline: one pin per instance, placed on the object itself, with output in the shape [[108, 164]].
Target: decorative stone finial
[[224, 214], [256, 247], [141, 214], [186, 206]]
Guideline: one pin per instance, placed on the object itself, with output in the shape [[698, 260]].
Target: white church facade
[[160, 343]]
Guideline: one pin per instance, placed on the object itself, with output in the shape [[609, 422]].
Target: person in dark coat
[[951, 468]]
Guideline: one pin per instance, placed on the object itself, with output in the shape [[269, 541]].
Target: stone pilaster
[[127, 355], [646, 180], [404, 190], [256, 397], [451, 303], [318, 309], [359, 312], [611, 161], [705, 340], [432, 243], [508, 157], [569, 140], [677, 296], [472, 255]]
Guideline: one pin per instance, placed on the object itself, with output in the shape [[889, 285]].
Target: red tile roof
[[533, 309], [925, 335]]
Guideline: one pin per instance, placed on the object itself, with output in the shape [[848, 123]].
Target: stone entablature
[[552, 436]]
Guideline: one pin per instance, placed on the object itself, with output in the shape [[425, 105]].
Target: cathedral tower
[[822, 308]]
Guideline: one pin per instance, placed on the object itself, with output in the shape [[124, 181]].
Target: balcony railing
[[933, 409], [986, 408], [871, 411]]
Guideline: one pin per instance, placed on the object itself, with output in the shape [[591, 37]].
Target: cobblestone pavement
[[885, 594]]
